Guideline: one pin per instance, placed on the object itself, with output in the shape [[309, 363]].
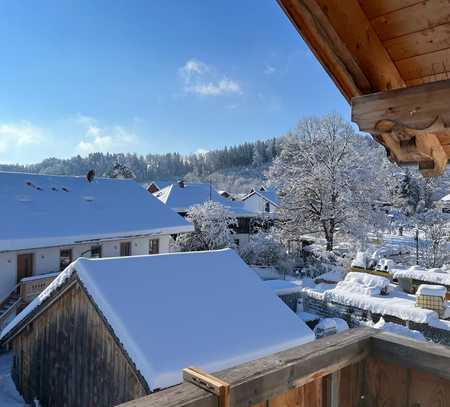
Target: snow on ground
[[9, 396], [399, 330], [397, 303], [284, 287], [424, 275]]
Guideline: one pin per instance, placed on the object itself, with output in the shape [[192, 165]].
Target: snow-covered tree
[[119, 170], [265, 249], [323, 183], [212, 223], [434, 248]]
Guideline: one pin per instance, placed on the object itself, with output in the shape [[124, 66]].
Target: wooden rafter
[[344, 41]]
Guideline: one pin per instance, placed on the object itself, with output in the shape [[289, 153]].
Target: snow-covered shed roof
[[446, 198], [267, 194], [181, 198], [171, 311], [48, 210], [424, 275]]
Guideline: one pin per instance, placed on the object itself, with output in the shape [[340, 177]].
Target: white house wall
[[47, 260], [256, 203]]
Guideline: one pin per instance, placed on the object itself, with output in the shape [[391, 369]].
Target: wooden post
[[209, 383]]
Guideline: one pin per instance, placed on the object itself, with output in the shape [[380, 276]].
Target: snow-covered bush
[[212, 223], [317, 261], [265, 249]]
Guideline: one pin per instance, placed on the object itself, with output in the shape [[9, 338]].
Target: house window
[[236, 242], [65, 258], [267, 207], [243, 226], [153, 246], [125, 249], [96, 252]]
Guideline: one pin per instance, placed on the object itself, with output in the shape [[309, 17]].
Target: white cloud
[[202, 79], [106, 139], [269, 70], [17, 135]]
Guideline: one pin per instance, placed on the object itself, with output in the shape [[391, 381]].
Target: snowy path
[[9, 397]]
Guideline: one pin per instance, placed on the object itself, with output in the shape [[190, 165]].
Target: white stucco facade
[[256, 203], [47, 260]]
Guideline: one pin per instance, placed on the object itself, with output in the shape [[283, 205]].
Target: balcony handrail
[[10, 293], [260, 380]]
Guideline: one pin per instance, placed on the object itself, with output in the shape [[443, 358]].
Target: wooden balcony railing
[[359, 368], [31, 287]]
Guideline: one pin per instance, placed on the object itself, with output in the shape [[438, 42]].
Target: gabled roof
[[159, 184], [268, 195], [446, 198], [45, 210], [181, 199], [171, 311]]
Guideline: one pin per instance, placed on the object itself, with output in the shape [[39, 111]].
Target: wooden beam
[[413, 123], [342, 38], [424, 356], [262, 379]]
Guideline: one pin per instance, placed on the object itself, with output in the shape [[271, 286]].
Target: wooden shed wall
[[67, 357]]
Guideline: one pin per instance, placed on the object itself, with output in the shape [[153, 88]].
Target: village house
[[444, 204], [111, 330], [182, 196], [155, 186], [49, 221], [262, 200]]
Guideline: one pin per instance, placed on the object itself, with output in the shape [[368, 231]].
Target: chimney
[[180, 183], [90, 175]]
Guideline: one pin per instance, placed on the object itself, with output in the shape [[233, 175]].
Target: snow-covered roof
[[424, 275], [181, 199], [171, 311], [268, 195], [432, 290], [45, 210], [446, 198], [284, 287]]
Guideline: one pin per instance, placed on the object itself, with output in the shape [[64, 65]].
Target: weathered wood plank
[[376, 8], [419, 43], [428, 390], [268, 377], [424, 356], [417, 67], [387, 384], [417, 17]]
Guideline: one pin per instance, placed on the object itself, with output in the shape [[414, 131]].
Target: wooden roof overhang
[[391, 61]]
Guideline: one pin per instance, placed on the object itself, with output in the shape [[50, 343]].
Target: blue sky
[[151, 76]]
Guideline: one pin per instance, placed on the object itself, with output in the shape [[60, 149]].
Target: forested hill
[[244, 161]]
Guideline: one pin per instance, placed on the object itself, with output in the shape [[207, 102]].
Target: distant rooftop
[[181, 197], [48, 210]]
